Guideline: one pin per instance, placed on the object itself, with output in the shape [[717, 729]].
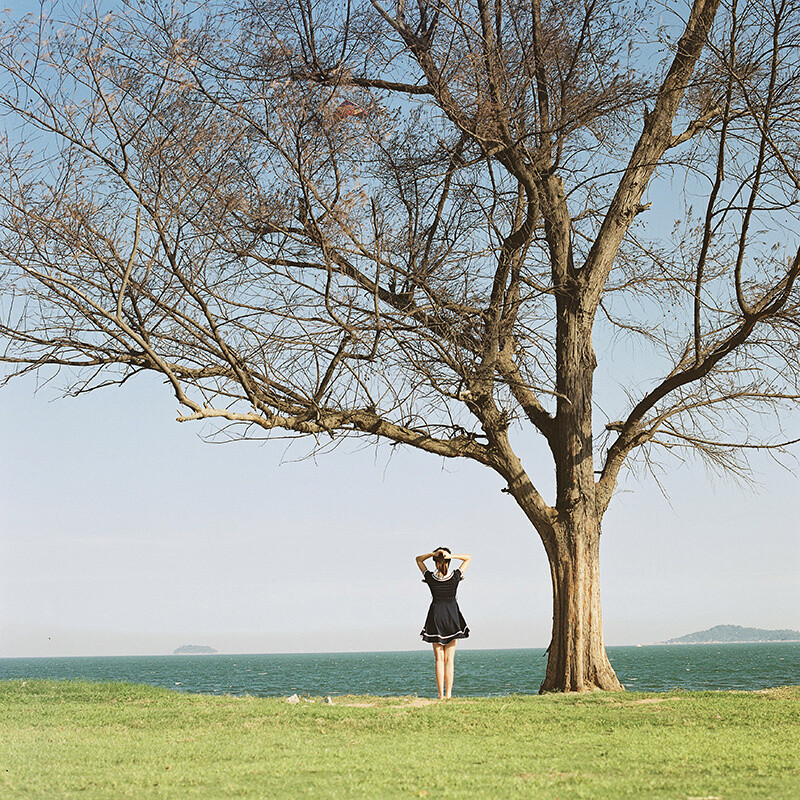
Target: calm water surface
[[479, 673]]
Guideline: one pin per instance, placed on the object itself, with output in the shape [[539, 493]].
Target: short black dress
[[444, 622]]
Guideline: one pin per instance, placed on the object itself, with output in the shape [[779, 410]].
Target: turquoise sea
[[479, 673]]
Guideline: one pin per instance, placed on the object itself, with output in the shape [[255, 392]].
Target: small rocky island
[[736, 634], [194, 650]]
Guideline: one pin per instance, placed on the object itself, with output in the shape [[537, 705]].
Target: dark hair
[[442, 564]]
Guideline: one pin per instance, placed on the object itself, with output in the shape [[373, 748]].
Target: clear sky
[[123, 532]]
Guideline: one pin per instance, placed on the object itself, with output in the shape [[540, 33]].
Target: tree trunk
[[577, 658]]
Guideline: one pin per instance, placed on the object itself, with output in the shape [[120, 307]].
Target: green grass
[[107, 740]]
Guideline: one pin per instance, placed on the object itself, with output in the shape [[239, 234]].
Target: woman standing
[[444, 624]]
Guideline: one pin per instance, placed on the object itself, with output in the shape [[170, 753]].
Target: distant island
[[193, 650], [735, 634]]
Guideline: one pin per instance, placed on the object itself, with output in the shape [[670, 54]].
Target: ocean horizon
[[479, 673]]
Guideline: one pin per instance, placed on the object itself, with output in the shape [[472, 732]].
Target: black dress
[[444, 622]]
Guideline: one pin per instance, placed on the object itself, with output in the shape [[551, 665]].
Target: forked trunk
[[577, 659]]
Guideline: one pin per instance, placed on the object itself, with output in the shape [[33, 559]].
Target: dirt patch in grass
[[646, 701], [778, 691], [411, 702], [417, 702]]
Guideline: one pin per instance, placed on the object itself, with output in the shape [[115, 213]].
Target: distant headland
[[193, 650], [735, 634]]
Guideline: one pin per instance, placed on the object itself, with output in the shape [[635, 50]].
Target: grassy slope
[[65, 740]]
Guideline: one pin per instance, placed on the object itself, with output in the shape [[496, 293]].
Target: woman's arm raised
[[464, 558], [421, 562]]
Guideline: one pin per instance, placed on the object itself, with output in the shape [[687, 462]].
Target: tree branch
[[653, 142], [630, 432], [364, 421]]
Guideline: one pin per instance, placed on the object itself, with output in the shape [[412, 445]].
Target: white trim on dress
[[443, 638]]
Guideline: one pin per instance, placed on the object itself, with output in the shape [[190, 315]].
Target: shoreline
[[372, 700]]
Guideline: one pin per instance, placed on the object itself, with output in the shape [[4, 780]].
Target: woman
[[444, 624]]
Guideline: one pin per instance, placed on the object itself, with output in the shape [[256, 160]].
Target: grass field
[[107, 740]]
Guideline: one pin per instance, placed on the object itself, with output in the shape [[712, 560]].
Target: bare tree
[[407, 222]]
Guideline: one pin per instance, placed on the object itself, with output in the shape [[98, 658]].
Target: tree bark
[[577, 659]]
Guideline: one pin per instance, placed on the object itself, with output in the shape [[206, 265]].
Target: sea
[[479, 673]]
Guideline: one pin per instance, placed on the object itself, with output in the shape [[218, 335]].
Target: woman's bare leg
[[449, 667], [438, 653]]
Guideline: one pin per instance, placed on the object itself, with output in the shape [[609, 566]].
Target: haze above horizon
[[124, 533]]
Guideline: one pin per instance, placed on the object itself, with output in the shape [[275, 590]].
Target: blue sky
[[123, 532]]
